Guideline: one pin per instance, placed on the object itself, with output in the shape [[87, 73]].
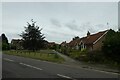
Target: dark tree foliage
[[32, 37], [111, 45], [5, 44], [76, 37]]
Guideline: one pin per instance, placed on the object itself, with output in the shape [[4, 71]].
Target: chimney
[[88, 34]]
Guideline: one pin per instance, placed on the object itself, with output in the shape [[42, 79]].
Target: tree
[[32, 37], [5, 44], [111, 45], [76, 37]]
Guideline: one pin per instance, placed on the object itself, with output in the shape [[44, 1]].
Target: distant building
[[90, 42], [52, 45], [64, 44], [17, 44]]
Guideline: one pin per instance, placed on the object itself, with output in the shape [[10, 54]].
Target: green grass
[[77, 53], [41, 55]]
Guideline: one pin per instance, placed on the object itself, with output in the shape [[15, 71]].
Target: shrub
[[65, 50], [95, 56]]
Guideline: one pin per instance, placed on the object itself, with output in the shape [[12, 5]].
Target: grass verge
[[46, 55]]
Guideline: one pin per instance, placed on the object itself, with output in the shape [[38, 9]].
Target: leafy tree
[[5, 44], [76, 37], [32, 37], [111, 46]]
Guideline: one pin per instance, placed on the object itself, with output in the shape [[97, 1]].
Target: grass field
[[47, 55]]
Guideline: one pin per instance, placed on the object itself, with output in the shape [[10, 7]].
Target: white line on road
[[64, 76], [8, 59], [30, 66]]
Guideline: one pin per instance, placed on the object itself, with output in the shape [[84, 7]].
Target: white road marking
[[64, 76], [8, 59], [107, 72], [30, 66]]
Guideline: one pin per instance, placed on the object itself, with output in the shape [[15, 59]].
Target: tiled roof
[[63, 43], [88, 39], [74, 42], [92, 38]]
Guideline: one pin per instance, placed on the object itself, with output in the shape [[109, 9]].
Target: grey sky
[[61, 21]]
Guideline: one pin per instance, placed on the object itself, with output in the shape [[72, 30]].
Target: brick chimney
[[88, 34]]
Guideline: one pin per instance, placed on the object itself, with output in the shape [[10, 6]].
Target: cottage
[[90, 42], [74, 44]]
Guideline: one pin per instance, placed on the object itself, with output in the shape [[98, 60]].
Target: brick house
[[90, 42], [52, 45], [74, 44]]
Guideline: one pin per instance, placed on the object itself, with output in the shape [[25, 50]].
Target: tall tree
[[32, 37], [111, 45], [5, 44]]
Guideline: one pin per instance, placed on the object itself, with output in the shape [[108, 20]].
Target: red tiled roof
[[74, 42], [88, 39], [92, 38]]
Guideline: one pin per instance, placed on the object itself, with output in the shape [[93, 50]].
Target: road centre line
[[8, 59], [30, 66], [97, 70], [63, 76]]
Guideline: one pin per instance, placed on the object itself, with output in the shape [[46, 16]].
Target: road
[[20, 67]]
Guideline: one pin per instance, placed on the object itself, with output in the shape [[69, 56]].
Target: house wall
[[89, 47], [98, 45]]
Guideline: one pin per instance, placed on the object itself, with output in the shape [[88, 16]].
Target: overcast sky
[[61, 21]]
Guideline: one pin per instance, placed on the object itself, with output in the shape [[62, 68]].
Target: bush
[[95, 56], [65, 50], [76, 54]]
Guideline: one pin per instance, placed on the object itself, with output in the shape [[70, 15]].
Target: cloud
[[89, 27], [73, 25], [81, 28], [55, 22], [59, 33], [57, 36]]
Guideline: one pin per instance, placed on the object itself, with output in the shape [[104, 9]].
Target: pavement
[[72, 62], [20, 67]]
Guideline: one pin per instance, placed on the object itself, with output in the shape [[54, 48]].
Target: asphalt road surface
[[20, 67]]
